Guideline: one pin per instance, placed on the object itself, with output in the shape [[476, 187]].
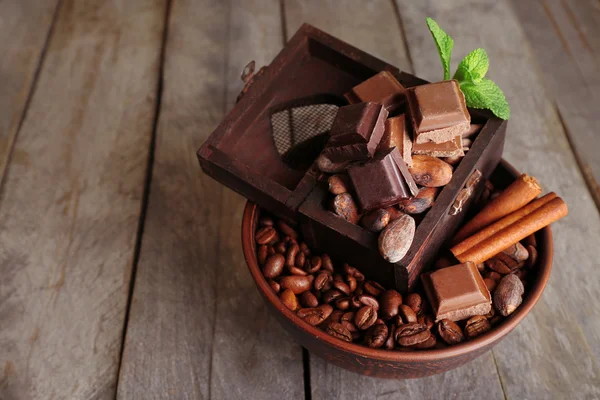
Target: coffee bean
[[321, 280], [395, 240], [376, 336], [390, 302], [270, 250], [300, 259], [476, 326], [343, 206], [286, 229], [307, 299], [266, 235], [414, 301], [331, 295], [263, 253], [290, 257], [411, 334], [335, 316], [273, 266], [297, 283], [314, 265], [496, 265], [420, 203], [365, 317], [326, 263], [368, 300], [351, 282], [490, 284], [427, 320], [428, 344], [376, 220], [373, 288], [338, 331], [338, 184], [517, 252], [349, 325], [509, 262], [274, 285], [354, 272], [508, 295], [289, 299], [355, 301], [266, 221], [315, 315], [348, 316], [341, 286], [390, 342], [297, 271], [406, 315], [304, 248], [343, 303], [280, 248], [450, 332]]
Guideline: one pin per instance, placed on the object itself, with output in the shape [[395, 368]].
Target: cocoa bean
[[430, 171], [394, 212], [517, 252], [263, 253], [395, 240], [496, 265], [453, 160], [343, 206], [421, 202], [450, 332], [329, 167], [338, 184], [508, 295], [508, 261], [490, 284], [376, 220], [286, 229]]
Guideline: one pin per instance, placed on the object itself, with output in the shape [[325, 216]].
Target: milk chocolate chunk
[[379, 182], [451, 148], [356, 132], [396, 135], [457, 292], [382, 88], [438, 112]]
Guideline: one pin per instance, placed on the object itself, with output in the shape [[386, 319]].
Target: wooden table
[[121, 272]]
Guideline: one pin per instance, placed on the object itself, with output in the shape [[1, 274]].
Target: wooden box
[[265, 147]]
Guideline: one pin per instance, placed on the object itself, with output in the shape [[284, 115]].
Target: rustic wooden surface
[[120, 262]]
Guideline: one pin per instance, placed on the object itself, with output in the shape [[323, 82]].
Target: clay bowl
[[394, 364]]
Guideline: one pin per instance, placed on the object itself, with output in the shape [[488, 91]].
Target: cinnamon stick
[[552, 211], [501, 224], [518, 194]]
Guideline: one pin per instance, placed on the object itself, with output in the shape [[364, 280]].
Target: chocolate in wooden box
[[265, 147]]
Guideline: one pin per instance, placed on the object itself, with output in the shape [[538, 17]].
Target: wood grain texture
[[570, 61], [554, 352], [197, 326], [70, 205], [374, 27], [24, 29]]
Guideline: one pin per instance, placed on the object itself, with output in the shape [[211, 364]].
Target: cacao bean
[[343, 206], [395, 240], [411, 334], [338, 184], [376, 220], [365, 317], [308, 300], [430, 171], [316, 315], [508, 295], [421, 202]]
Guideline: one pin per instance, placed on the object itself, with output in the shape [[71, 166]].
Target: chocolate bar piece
[[396, 135], [382, 88], [457, 292], [452, 148], [356, 132], [438, 112], [379, 183], [403, 168]]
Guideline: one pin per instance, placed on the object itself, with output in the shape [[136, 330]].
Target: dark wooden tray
[[244, 154]]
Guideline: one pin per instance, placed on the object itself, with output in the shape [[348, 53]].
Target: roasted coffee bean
[[335, 316], [300, 259], [290, 257], [331, 295], [420, 203], [359, 289], [406, 315], [414, 301], [476, 326], [355, 301], [427, 320], [390, 301], [390, 342], [315, 315], [266, 235], [320, 281], [326, 263], [286, 229], [297, 283], [343, 303], [289, 299], [273, 266], [368, 300], [365, 317], [288, 240], [508, 295], [314, 265], [373, 288], [496, 265], [411, 334], [304, 248], [263, 253], [376, 336], [341, 286], [280, 248], [450, 332], [266, 221], [297, 271], [338, 331], [308, 300], [270, 250], [517, 252], [354, 272], [349, 325], [351, 282], [428, 344], [274, 285]]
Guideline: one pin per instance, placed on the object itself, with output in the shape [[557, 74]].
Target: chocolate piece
[[396, 135], [457, 292], [452, 148], [438, 112], [379, 183], [382, 88], [408, 178], [356, 132]]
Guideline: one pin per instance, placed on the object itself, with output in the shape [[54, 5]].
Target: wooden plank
[[570, 56], [375, 29], [198, 327], [553, 353], [70, 205], [27, 23]]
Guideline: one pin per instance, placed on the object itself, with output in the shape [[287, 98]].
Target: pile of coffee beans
[[341, 302]]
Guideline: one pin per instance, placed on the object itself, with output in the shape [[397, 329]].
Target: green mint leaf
[[473, 67], [486, 94], [444, 45]]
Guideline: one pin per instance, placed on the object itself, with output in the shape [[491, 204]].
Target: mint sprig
[[479, 92]]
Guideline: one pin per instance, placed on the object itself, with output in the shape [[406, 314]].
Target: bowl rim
[[544, 268]]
